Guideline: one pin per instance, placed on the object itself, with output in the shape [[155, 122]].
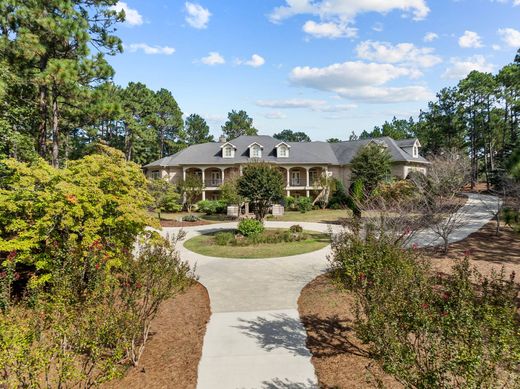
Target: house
[[302, 163]]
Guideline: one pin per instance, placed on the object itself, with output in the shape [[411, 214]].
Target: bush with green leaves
[[190, 218], [429, 331], [296, 229], [339, 197], [250, 227], [76, 303], [212, 207], [224, 238], [289, 202], [165, 196], [304, 204]]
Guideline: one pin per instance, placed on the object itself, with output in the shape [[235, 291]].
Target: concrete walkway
[[255, 339]]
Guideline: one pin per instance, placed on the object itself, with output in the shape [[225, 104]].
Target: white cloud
[[256, 61], [378, 27], [311, 104], [198, 16], [496, 47], [515, 2], [430, 37], [347, 10], [460, 68], [405, 53], [275, 115], [291, 103], [360, 81], [470, 39], [132, 16], [147, 49], [213, 58], [329, 30], [510, 36]]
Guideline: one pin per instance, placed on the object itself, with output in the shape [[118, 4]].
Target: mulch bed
[[171, 357], [485, 249], [340, 359]]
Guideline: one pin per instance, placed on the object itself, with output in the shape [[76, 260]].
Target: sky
[[323, 67]]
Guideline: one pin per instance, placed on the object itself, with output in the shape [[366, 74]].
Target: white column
[[222, 177], [307, 193], [307, 183], [288, 177], [288, 193], [184, 174], [203, 195], [203, 176]]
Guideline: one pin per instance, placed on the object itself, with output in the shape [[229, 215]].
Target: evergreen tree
[[197, 130], [371, 165], [238, 123], [291, 136]]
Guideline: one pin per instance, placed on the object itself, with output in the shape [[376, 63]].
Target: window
[[282, 151], [415, 151], [228, 152], [155, 174], [313, 177], [256, 151]]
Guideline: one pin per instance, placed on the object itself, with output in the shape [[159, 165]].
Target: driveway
[[255, 338]]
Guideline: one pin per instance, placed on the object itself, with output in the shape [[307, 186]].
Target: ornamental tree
[[262, 184], [371, 165]]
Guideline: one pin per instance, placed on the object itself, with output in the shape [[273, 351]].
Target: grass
[[179, 215], [205, 245], [318, 215]]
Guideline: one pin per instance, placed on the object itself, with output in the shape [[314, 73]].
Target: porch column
[[288, 178], [307, 193], [203, 176], [288, 193], [203, 195], [307, 183], [222, 177], [184, 174]]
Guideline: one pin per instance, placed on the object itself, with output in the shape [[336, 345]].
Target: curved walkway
[[254, 338]]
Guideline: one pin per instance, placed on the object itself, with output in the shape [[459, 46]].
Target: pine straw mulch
[[171, 357], [340, 359]]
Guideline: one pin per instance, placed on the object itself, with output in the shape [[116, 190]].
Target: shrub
[[165, 196], [457, 331], [250, 227], [304, 204], [339, 197], [211, 207], [224, 238], [289, 202], [296, 229], [190, 218]]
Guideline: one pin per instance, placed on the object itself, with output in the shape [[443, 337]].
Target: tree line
[[480, 116]]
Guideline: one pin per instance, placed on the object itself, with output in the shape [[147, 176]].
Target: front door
[[215, 178], [295, 178]]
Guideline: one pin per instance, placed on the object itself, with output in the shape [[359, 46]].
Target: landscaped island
[[257, 242]]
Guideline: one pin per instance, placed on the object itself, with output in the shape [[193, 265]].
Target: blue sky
[[323, 67]]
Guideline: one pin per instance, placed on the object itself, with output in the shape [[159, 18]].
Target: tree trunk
[[42, 128], [55, 132]]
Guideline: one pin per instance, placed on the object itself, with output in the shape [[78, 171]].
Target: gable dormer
[[282, 150], [255, 150], [228, 150], [412, 148]]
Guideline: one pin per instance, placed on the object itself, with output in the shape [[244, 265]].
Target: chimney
[[222, 139]]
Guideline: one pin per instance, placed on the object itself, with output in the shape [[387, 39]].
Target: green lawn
[[180, 215], [205, 245], [319, 216]]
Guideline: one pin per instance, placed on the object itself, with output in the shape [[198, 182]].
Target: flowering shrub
[[249, 227], [457, 331]]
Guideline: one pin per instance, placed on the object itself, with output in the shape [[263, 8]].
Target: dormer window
[[282, 150], [255, 150], [228, 150], [415, 151]]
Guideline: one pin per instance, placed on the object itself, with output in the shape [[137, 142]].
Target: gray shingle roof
[[300, 152]]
